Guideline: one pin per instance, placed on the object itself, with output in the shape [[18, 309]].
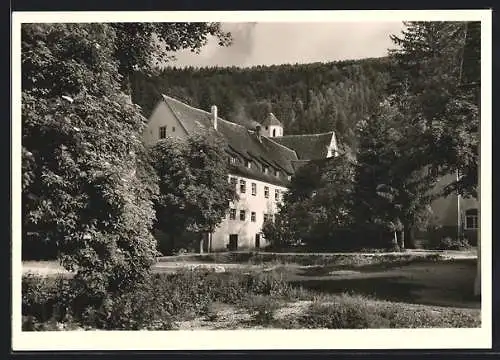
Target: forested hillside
[[306, 98]]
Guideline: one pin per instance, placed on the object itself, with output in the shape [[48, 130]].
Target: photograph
[[272, 172]]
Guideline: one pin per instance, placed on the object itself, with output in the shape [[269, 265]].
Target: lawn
[[348, 291]]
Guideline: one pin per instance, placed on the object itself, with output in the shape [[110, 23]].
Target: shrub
[[348, 313], [263, 308], [449, 243], [356, 312], [161, 298]]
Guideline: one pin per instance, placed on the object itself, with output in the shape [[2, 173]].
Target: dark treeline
[[306, 98]]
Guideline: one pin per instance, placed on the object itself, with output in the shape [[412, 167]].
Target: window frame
[[254, 189], [242, 215], [474, 216], [266, 192], [253, 216], [243, 186], [232, 214], [162, 130]]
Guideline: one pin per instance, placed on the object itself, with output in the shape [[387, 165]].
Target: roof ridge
[[203, 111], [299, 135]]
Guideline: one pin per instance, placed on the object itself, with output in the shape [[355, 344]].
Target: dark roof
[[307, 147], [271, 120], [240, 140]]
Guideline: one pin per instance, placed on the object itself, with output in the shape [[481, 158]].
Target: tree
[[87, 183], [317, 208], [85, 187], [146, 46], [194, 190], [393, 185], [431, 58]]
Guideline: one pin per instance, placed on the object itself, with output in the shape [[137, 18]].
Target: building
[[262, 161], [454, 215]]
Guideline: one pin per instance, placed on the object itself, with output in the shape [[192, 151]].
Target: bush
[[449, 243], [356, 312], [161, 298], [263, 308], [345, 314]]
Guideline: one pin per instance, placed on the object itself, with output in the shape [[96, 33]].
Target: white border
[[257, 339]]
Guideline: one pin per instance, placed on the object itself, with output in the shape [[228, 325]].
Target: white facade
[[246, 230], [162, 116], [273, 131]]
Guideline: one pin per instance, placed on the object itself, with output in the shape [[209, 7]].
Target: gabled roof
[[240, 140], [271, 120], [307, 147]]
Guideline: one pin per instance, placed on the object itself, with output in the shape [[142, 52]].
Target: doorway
[[233, 242], [257, 241]]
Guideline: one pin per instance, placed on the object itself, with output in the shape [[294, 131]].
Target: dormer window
[[266, 170], [289, 177], [276, 173], [232, 160], [248, 164]]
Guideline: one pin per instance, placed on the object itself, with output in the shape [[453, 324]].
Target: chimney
[[257, 132], [214, 116]]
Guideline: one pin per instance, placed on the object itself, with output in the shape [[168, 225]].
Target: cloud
[[282, 43]]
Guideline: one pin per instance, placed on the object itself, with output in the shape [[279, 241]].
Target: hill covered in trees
[[306, 98]]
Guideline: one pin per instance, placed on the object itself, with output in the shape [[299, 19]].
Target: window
[[266, 169], [163, 132], [471, 219], [266, 192], [242, 215], [276, 173], [266, 218], [233, 182], [289, 177], [173, 128], [277, 195], [232, 214], [274, 132], [254, 189], [232, 160], [248, 164], [253, 216], [243, 186]]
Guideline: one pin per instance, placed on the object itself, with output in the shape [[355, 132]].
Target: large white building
[[262, 161]]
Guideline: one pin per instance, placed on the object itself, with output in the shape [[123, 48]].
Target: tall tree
[[431, 58], [392, 184], [87, 184], [86, 189]]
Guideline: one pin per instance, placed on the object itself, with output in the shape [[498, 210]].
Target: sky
[[265, 43]]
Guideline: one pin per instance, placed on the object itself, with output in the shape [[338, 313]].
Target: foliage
[[193, 180], [435, 59], [85, 190], [317, 208], [87, 184], [357, 312], [448, 243], [161, 298], [262, 308], [393, 186]]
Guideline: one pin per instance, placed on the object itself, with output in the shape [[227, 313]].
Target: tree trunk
[[402, 239], [395, 240], [201, 244]]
